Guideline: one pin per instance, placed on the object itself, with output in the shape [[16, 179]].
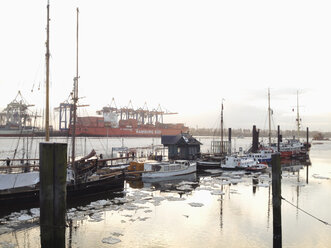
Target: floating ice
[[320, 177], [130, 206], [263, 185], [7, 245], [96, 217], [100, 203], [24, 217], [235, 180], [143, 219], [195, 204], [172, 198], [111, 240], [35, 212], [204, 188], [127, 215], [72, 210], [5, 230], [116, 234], [217, 192]]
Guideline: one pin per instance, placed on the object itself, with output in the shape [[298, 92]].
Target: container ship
[[127, 122], [18, 120]]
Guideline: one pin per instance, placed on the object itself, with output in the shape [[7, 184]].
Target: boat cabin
[[182, 146]]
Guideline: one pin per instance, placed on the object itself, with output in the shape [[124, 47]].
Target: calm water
[[195, 211]]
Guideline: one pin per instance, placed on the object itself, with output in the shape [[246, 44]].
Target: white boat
[[238, 162], [167, 169], [262, 155]]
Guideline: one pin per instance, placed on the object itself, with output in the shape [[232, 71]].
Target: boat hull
[[165, 174], [206, 165], [28, 196]]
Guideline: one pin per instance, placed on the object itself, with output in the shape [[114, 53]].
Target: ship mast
[[269, 117], [47, 78], [75, 99], [222, 127], [298, 117]]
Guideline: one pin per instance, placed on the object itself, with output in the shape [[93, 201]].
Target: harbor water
[[212, 209]]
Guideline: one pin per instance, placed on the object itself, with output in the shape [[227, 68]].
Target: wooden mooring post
[[53, 174], [276, 200]]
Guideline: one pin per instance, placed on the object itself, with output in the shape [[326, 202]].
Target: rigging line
[[324, 222]]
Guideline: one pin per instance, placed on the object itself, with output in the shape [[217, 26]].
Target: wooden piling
[[276, 200], [307, 144], [230, 146], [255, 143], [53, 173], [278, 138]]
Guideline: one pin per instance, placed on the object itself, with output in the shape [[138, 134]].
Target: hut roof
[[180, 139]]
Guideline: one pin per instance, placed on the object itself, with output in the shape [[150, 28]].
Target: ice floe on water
[[195, 204], [110, 240], [143, 219], [263, 185], [24, 217], [5, 244], [172, 198], [117, 234], [96, 217], [217, 192], [320, 177], [4, 229]]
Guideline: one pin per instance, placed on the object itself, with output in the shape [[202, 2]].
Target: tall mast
[[298, 117], [47, 78], [222, 127], [269, 116], [75, 99]]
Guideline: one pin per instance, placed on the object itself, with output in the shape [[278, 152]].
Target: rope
[[324, 222]]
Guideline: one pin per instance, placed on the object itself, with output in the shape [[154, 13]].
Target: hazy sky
[[184, 55]]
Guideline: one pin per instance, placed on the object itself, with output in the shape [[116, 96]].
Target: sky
[[184, 55]]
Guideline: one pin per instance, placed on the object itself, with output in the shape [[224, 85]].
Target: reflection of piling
[[53, 172], [276, 200]]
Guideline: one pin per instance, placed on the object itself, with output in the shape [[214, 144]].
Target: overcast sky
[[184, 55]]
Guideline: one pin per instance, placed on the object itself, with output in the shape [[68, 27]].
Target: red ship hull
[[125, 132], [96, 127]]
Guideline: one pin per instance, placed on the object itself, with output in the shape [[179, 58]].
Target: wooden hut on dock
[[182, 146]]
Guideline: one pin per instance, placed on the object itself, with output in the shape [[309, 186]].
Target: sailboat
[[288, 148], [82, 177], [218, 151]]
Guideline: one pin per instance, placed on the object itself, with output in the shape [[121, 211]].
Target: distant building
[[181, 146]]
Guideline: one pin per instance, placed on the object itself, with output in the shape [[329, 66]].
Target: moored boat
[[167, 169], [235, 162]]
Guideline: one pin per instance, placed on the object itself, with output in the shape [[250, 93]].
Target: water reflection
[[205, 210]]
